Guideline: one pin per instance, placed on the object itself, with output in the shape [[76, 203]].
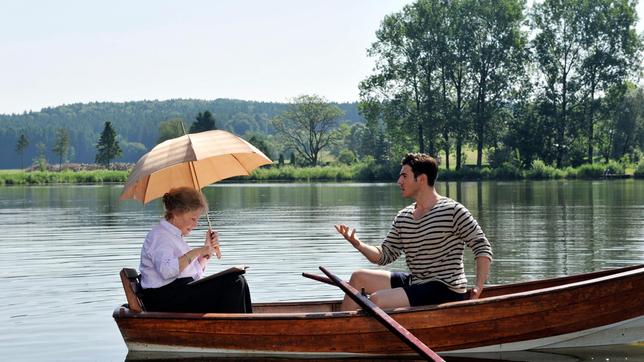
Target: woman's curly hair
[[181, 200]]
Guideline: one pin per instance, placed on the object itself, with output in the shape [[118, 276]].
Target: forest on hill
[[491, 84], [136, 123]]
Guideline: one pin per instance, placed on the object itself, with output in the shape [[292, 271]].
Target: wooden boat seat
[[132, 287]]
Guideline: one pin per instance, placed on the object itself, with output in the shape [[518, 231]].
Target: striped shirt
[[434, 244]]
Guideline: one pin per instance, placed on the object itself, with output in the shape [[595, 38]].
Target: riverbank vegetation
[[359, 172], [19, 177]]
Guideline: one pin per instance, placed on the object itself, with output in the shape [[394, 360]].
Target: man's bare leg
[[371, 281], [390, 298]]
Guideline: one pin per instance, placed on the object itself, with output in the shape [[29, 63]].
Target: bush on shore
[[76, 167], [639, 171], [49, 177], [540, 171], [369, 171], [599, 170]]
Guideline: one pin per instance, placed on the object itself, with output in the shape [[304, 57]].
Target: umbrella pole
[[208, 218], [197, 186]]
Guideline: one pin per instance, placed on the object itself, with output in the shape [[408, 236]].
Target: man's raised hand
[[349, 234]]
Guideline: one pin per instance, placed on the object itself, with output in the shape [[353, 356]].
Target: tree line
[[548, 83], [554, 83], [107, 148], [139, 126]]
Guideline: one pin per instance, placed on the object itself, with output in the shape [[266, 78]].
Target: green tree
[[107, 147], [131, 150], [61, 146], [626, 131], [495, 60], [347, 157], [433, 59], [373, 141], [205, 122], [343, 139], [260, 141], [170, 129], [558, 47], [459, 42], [528, 132], [308, 126], [354, 140], [41, 157], [21, 146], [611, 50], [407, 51]]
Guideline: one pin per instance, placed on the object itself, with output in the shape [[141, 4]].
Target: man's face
[[407, 182]]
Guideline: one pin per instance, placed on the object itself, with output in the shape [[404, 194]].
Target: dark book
[[237, 269]]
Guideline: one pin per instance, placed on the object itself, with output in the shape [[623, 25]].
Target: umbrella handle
[[217, 251]]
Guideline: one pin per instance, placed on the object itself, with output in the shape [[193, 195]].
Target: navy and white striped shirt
[[435, 243]]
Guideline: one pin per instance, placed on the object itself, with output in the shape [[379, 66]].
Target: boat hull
[[566, 312]]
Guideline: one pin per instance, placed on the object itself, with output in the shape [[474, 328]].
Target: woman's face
[[186, 221]]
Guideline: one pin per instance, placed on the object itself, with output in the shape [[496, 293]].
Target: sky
[[79, 51]]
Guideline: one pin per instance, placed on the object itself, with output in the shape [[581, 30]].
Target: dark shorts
[[433, 292]]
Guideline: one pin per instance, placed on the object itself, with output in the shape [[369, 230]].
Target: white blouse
[[160, 254]]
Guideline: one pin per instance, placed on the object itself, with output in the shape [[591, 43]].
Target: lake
[[63, 246]]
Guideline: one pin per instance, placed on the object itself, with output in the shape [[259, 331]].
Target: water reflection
[[593, 354], [62, 246]]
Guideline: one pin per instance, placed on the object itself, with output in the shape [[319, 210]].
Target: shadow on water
[[615, 353]]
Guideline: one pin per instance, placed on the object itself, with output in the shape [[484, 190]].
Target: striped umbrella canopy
[[194, 160]]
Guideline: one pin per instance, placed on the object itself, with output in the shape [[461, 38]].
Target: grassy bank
[[19, 177], [366, 172], [379, 172]]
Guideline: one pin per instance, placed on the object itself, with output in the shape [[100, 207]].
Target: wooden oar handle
[[319, 278], [385, 319]]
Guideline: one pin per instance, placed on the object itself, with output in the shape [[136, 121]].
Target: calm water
[[62, 246]]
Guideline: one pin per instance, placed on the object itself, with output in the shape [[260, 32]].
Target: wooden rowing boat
[[599, 308]]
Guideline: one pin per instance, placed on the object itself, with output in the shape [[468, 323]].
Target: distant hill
[[137, 124]]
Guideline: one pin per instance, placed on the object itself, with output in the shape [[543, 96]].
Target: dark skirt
[[225, 294]]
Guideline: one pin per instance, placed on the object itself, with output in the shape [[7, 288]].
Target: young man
[[432, 233]]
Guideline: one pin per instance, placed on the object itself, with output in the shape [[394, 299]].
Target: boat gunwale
[[123, 312]]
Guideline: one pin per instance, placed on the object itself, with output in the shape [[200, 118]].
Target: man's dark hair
[[421, 163]]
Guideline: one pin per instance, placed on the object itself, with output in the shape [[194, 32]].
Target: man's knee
[[359, 278]]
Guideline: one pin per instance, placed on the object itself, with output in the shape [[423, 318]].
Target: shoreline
[[296, 175]]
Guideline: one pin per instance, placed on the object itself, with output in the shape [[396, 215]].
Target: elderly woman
[[168, 264]]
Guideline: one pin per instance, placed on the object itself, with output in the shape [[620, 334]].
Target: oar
[[386, 320], [319, 278]]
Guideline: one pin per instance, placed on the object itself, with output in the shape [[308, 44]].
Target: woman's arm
[[187, 258]]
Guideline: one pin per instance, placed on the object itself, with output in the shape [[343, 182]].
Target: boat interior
[[131, 285]]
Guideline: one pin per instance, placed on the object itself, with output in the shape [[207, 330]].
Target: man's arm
[[482, 271], [370, 252]]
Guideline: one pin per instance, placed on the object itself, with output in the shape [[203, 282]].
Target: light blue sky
[[69, 51]]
